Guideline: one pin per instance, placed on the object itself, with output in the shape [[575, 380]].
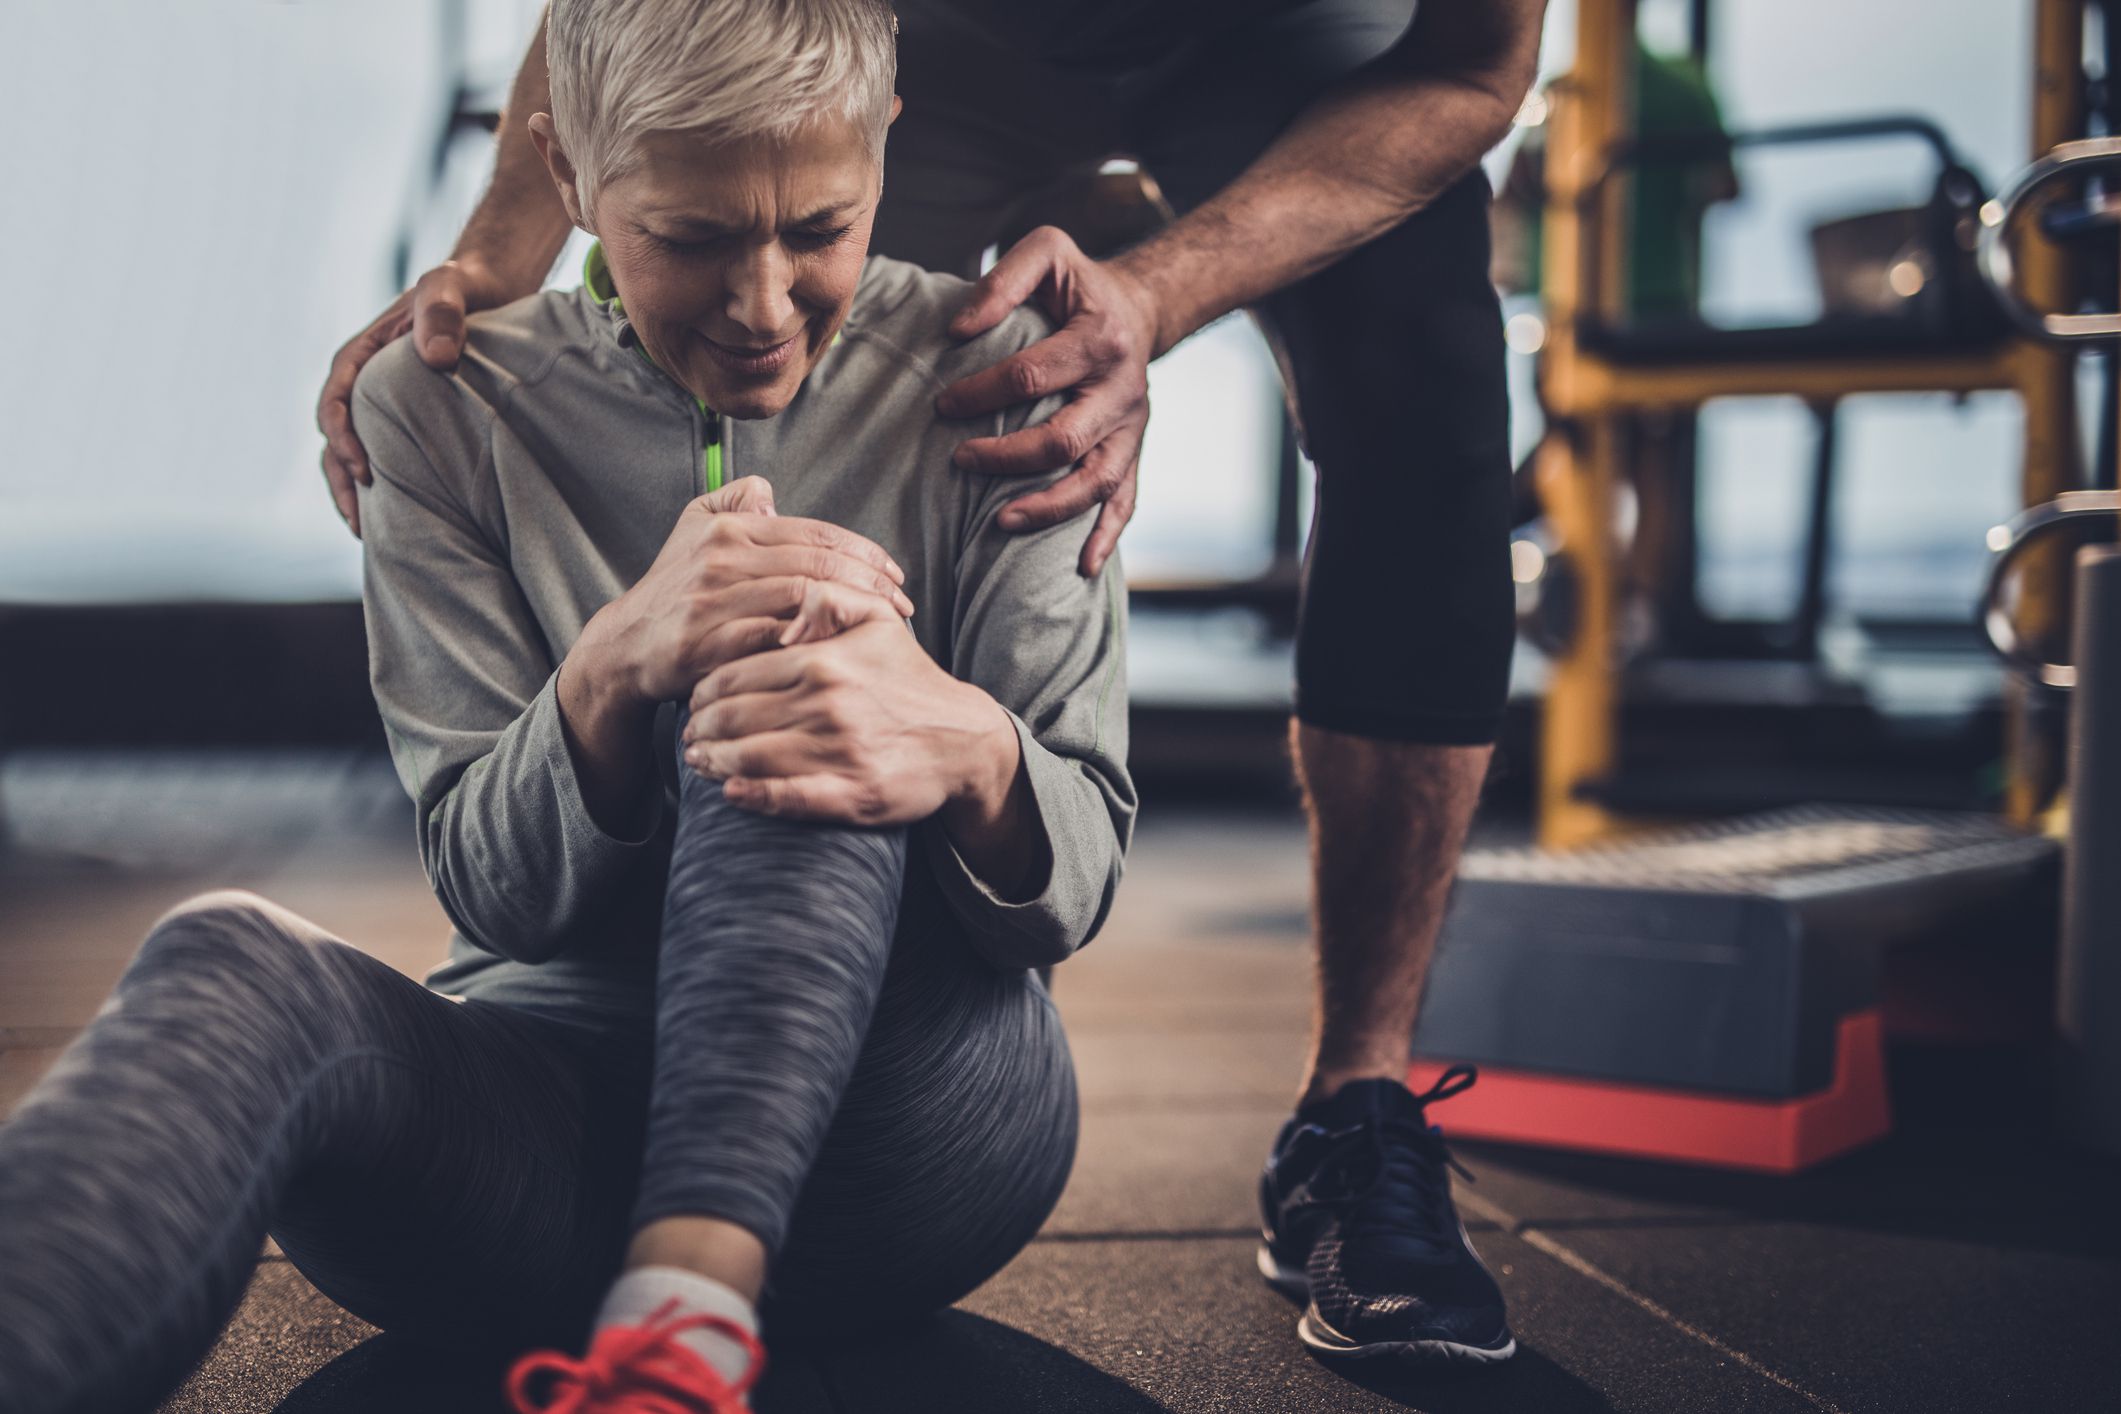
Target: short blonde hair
[[622, 69]]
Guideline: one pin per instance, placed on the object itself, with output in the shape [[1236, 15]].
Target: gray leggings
[[892, 1116]]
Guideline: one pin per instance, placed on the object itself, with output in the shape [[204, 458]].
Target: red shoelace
[[638, 1370]]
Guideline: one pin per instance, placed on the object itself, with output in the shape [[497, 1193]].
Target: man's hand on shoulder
[[1100, 354], [433, 312]]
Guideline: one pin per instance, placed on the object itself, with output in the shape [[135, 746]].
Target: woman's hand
[[862, 728], [734, 579]]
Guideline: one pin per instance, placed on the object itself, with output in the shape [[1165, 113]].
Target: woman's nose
[[758, 293]]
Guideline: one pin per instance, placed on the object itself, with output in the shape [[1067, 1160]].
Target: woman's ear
[[546, 138], [898, 105]]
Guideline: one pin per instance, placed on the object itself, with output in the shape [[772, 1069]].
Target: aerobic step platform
[[1708, 994]]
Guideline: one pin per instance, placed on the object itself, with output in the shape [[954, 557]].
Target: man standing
[[1322, 161]]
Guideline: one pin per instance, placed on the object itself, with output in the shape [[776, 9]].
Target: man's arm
[[1355, 164], [503, 254], [517, 229]]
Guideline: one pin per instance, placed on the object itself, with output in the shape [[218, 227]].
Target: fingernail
[[1012, 520], [694, 755], [946, 405]]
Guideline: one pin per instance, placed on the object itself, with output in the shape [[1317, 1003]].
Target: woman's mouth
[[752, 360]]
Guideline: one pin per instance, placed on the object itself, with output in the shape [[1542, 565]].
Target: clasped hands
[[807, 695]]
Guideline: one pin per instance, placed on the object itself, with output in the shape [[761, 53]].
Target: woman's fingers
[[734, 716], [749, 500], [736, 640], [779, 563], [750, 495], [830, 609], [746, 677], [772, 753], [811, 797], [823, 535]]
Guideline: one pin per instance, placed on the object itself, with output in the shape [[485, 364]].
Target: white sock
[[637, 1293]]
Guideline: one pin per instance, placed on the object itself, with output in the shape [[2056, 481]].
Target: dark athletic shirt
[[1109, 35]]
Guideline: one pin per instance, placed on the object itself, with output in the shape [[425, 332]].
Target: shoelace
[[1393, 1172], [638, 1370]]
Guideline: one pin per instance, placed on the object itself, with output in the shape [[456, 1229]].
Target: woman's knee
[[228, 934]]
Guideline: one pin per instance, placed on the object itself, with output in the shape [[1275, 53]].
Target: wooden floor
[[1967, 1264]]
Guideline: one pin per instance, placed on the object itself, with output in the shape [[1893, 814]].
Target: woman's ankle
[[731, 1254]]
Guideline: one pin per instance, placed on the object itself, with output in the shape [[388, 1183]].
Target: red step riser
[[1641, 1121]]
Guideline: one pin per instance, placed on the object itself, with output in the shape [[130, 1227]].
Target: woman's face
[[737, 260]]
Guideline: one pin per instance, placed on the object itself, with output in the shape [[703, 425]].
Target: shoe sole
[[1324, 1340], [1292, 1282], [1296, 1285]]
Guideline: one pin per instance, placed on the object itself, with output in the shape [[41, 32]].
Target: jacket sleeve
[[1050, 647], [465, 678]]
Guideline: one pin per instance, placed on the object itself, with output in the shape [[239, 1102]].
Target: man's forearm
[[519, 226], [1351, 167]]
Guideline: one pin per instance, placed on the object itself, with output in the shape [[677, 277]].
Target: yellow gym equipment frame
[[1586, 396]]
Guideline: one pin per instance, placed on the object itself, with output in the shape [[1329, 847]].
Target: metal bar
[[1819, 529], [1580, 720], [1593, 385], [2034, 751]]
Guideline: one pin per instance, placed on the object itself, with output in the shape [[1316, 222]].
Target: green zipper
[[711, 454]]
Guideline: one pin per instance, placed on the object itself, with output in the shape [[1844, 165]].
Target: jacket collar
[[596, 279]]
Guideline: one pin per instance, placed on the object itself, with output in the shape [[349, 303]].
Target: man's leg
[[1397, 357], [1394, 359], [1388, 820]]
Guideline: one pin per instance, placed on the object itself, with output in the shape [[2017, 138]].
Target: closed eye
[[815, 239]]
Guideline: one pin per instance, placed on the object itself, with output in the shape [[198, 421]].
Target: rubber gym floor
[[1970, 1263]]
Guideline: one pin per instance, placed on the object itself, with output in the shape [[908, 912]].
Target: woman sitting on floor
[[751, 884]]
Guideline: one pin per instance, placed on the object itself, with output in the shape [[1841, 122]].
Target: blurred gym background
[[219, 194]]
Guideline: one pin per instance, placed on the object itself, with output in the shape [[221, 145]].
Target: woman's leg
[[786, 1012], [776, 935], [952, 1143], [429, 1164]]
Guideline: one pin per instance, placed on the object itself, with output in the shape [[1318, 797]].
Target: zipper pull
[[711, 452]]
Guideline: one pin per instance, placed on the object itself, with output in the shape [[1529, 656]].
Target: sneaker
[[1358, 1221], [640, 1369]]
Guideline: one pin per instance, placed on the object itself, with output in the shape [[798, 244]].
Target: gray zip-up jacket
[[517, 496]]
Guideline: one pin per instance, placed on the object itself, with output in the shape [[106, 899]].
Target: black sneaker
[[1356, 1202]]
